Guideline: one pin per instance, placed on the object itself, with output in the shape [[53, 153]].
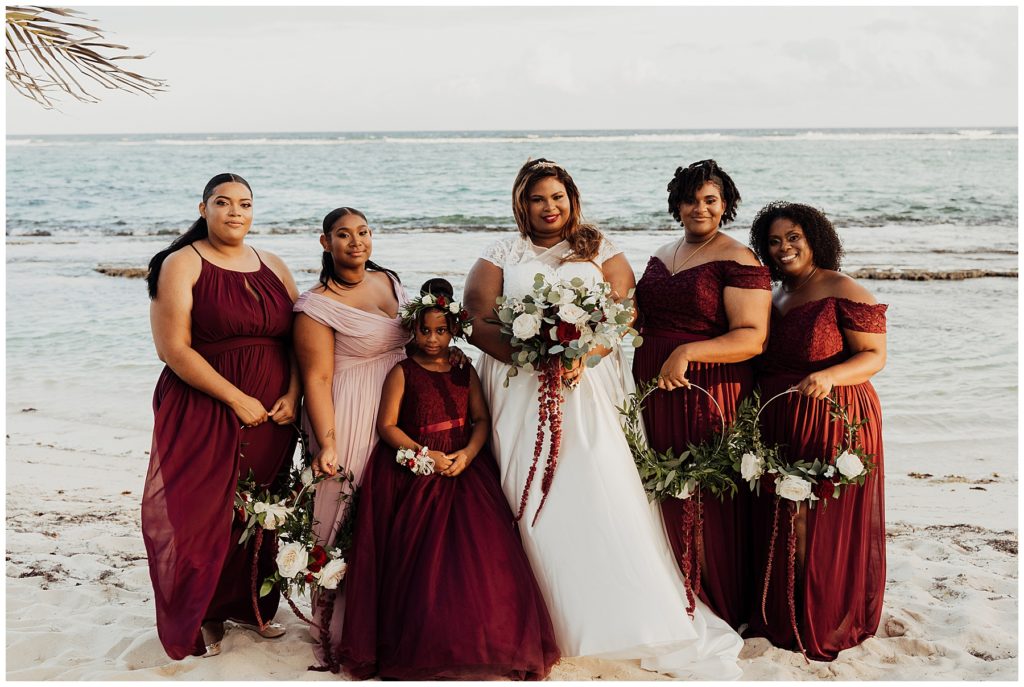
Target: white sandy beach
[[79, 601]]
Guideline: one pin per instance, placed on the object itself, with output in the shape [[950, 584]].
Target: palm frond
[[47, 47]]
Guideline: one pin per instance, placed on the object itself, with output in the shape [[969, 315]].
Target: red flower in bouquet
[[566, 333], [240, 514]]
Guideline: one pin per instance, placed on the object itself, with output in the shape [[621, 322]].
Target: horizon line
[[591, 130]]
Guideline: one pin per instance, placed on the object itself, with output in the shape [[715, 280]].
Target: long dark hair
[[328, 273], [198, 230], [583, 238]]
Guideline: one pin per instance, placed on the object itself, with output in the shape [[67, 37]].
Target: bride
[[598, 549]]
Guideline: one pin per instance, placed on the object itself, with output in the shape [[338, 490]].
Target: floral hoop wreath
[[707, 466], [300, 560], [799, 481], [449, 306]]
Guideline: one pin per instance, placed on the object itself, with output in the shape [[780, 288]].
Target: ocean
[[79, 349]]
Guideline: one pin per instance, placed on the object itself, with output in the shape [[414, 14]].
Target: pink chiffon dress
[[366, 347]]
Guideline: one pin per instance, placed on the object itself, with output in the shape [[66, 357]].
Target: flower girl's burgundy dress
[[241, 325], [676, 309], [838, 603], [438, 585]]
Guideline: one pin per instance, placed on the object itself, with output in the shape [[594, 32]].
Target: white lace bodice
[[521, 260]]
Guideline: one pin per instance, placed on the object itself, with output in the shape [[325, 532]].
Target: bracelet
[[417, 461]]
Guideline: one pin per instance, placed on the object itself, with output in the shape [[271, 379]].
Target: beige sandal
[[270, 631], [213, 634]]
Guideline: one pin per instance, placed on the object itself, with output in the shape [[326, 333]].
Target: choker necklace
[[705, 242], [801, 284]]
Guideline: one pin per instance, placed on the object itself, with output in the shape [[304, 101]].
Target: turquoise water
[[78, 342]]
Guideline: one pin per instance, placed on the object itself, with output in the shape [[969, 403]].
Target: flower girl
[[438, 585]]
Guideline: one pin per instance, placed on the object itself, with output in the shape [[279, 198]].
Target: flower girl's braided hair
[[583, 238], [688, 180]]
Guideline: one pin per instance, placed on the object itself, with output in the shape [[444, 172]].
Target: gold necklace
[[689, 257], [801, 284]]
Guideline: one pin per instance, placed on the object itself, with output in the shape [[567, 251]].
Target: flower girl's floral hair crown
[[437, 294]]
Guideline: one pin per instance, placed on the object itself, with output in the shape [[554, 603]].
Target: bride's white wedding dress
[[599, 549]]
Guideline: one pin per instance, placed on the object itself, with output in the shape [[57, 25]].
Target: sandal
[[269, 631], [213, 634]]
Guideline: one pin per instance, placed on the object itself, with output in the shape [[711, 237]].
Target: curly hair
[[826, 246], [688, 180], [583, 238]]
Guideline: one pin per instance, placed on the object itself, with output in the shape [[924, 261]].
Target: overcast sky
[[263, 69]]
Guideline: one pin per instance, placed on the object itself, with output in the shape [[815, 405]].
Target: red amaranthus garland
[[550, 416]]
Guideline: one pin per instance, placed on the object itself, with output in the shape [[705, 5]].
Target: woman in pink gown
[[438, 585], [348, 336], [703, 302], [827, 338], [221, 317]]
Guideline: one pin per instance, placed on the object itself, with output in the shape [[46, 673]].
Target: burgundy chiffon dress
[[676, 309], [838, 603], [241, 324], [438, 585]]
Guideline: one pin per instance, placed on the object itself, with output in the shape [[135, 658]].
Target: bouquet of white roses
[[554, 327]]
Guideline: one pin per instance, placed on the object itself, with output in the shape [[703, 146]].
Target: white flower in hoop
[[292, 559], [793, 488], [849, 465], [276, 513], [332, 573], [751, 466]]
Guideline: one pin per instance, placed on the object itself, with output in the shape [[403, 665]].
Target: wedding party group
[[462, 522]]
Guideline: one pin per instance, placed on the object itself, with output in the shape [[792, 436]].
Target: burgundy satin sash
[[442, 426]]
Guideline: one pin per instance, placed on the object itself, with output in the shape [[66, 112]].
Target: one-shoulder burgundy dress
[[438, 585], [676, 309], [839, 601], [241, 325]]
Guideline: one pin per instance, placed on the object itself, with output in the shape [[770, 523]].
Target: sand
[[79, 601]]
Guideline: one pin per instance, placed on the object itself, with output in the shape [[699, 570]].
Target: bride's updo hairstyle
[[584, 239], [688, 180]]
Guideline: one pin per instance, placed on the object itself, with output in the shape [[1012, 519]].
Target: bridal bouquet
[[556, 326]]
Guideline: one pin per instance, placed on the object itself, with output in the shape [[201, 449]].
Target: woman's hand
[[816, 385], [456, 357], [572, 376], [673, 373], [284, 410], [326, 462], [249, 410], [441, 460], [460, 461]]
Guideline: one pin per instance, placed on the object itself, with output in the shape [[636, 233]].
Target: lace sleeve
[[497, 253], [747, 276], [861, 317], [606, 250]]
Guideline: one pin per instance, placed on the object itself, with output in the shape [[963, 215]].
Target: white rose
[[573, 314], [332, 573], [276, 514], [849, 465], [793, 488], [751, 466], [455, 307], [291, 560], [427, 299], [306, 477], [526, 325]]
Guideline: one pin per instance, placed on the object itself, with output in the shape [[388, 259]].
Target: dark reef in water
[[927, 275]]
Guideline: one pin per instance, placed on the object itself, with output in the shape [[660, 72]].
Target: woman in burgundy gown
[[703, 302], [221, 318], [827, 337], [438, 585]]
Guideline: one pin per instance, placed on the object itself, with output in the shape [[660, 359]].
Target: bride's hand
[[572, 376]]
